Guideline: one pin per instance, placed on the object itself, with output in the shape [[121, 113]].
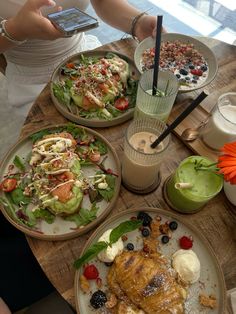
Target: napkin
[[231, 294]]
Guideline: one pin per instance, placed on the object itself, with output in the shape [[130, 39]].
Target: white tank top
[[38, 53]]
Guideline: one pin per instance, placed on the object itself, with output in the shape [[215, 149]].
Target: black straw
[[180, 118], [157, 54]]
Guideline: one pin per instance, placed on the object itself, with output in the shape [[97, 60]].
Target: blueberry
[[178, 76], [195, 77], [191, 66], [183, 72], [204, 68], [165, 239], [194, 81], [187, 78], [145, 218], [130, 247], [173, 225], [145, 232], [98, 299]]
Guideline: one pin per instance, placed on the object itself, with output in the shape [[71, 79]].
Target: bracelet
[[134, 23], [4, 33]]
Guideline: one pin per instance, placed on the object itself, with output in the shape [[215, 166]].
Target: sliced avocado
[[68, 208], [78, 99]]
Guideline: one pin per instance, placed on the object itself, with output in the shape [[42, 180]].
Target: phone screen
[[72, 19]]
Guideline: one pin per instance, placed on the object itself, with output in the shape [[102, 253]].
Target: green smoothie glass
[[192, 185]]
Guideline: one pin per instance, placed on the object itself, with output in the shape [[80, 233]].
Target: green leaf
[[123, 228], [19, 163], [18, 198], [108, 193], [92, 251], [62, 93], [84, 216], [38, 135], [102, 147], [42, 213]]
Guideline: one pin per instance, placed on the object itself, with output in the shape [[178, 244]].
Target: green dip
[[205, 185]]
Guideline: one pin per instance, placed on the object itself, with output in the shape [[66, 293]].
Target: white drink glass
[[221, 127], [155, 106], [141, 163]]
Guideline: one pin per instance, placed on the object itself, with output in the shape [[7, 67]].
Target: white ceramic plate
[[211, 279], [205, 51], [71, 112], [61, 229]]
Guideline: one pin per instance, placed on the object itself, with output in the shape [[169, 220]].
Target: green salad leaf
[[44, 214], [84, 216], [19, 163]]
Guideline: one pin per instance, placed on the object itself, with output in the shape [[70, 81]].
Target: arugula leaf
[[90, 253], [124, 227], [44, 214], [62, 92], [102, 147], [84, 216], [19, 163], [18, 198], [38, 135], [108, 193]]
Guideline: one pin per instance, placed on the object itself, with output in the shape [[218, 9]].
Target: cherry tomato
[[8, 185], [121, 103], [91, 272]]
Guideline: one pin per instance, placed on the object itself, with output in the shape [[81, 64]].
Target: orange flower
[[227, 162]]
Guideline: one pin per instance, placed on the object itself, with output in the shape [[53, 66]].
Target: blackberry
[[145, 218], [98, 299], [173, 225], [165, 239], [130, 247], [145, 232]]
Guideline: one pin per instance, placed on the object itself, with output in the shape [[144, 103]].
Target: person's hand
[[147, 26], [29, 23]]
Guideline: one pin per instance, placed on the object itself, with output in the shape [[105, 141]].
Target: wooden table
[[217, 221]]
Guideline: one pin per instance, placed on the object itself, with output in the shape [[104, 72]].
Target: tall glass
[[221, 127], [141, 163], [156, 106], [192, 185]]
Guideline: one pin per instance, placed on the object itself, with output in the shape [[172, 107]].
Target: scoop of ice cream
[[108, 255], [187, 265]]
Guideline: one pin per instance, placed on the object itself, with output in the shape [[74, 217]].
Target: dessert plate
[[211, 280], [20, 205], [205, 53], [92, 119]]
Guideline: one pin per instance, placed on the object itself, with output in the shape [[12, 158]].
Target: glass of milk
[[221, 127], [159, 105], [140, 162]]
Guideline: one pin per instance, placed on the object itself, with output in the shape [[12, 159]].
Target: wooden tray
[[224, 82]]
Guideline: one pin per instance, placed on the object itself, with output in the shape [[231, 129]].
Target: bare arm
[[29, 24], [120, 14]]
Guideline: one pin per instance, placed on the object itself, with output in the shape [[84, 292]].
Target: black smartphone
[[72, 21]]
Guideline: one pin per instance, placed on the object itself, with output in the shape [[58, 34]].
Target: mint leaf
[[92, 251], [19, 163], [123, 228]]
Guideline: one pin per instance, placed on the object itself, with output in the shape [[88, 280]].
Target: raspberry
[[91, 272], [185, 243]]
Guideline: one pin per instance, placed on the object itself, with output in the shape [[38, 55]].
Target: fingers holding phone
[[72, 21]]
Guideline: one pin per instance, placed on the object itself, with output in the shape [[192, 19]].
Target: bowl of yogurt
[[193, 63]]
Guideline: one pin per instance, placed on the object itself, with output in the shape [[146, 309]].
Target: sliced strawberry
[[197, 72]]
